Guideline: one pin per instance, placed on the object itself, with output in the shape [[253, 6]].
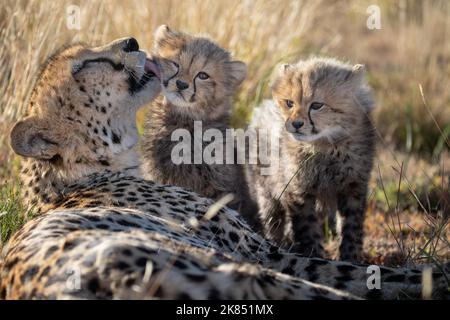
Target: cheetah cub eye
[[316, 105], [289, 103], [203, 76]]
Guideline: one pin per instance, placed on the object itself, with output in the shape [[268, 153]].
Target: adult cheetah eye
[[203, 75], [289, 103], [316, 105]]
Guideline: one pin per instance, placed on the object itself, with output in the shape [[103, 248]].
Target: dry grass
[[411, 49]]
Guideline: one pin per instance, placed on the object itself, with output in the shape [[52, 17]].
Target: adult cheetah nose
[[131, 45], [297, 124], [181, 85]]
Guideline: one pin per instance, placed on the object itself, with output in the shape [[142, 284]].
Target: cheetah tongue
[[151, 67]]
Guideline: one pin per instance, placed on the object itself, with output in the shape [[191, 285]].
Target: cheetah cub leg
[[307, 231], [352, 207], [273, 220]]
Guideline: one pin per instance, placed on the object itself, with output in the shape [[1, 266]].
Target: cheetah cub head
[[81, 115], [322, 100], [198, 76]]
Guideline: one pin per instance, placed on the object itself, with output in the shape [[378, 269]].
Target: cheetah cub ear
[[31, 137], [279, 71], [283, 68], [238, 72], [357, 73], [168, 42]]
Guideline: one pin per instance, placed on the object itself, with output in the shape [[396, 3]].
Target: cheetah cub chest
[[321, 109]]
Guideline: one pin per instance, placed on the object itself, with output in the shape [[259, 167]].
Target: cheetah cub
[[320, 114], [199, 79]]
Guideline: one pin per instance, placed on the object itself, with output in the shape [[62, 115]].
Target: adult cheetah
[[103, 232]]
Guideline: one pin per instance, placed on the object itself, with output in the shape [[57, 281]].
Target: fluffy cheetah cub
[[199, 79], [321, 115]]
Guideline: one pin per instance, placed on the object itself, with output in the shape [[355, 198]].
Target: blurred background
[[405, 45]]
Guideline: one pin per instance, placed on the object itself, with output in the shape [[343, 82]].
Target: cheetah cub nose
[[181, 85], [297, 124]]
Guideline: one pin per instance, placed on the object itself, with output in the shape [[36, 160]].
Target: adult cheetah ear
[[238, 72], [167, 41], [31, 137]]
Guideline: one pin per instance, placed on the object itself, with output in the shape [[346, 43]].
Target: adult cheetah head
[[82, 112]]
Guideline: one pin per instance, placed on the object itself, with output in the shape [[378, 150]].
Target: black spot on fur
[[275, 256], [29, 274], [129, 282], [415, 278], [344, 278], [213, 294], [127, 223], [233, 236], [183, 296], [122, 265], [196, 277], [119, 185], [92, 218], [50, 251], [385, 270], [288, 270], [180, 264], [340, 286], [70, 204], [395, 278], [313, 276], [345, 268], [318, 262], [141, 262], [68, 245], [93, 285], [311, 267], [45, 272], [61, 261], [104, 163]]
